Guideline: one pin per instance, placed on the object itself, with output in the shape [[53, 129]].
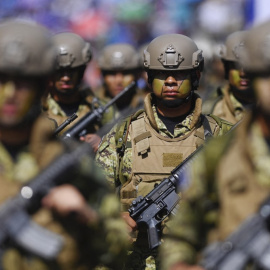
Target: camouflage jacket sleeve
[[109, 237], [106, 156], [106, 240]]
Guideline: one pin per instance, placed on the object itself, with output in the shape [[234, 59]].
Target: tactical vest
[[153, 155]]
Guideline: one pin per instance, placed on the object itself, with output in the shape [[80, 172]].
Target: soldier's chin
[[27, 120], [244, 96], [174, 103]]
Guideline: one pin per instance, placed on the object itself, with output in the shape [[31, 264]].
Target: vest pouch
[[128, 193], [145, 187], [136, 187]]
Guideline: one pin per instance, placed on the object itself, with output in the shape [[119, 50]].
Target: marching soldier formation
[[65, 203]]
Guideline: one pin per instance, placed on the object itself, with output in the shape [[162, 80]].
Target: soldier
[[119, 65], [27, 58], [230, 102], [139, 152], [67, 92], [230, 178]]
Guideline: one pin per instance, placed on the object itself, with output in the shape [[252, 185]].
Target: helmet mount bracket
[[170, 57]]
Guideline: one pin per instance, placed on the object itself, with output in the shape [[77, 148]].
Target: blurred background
[[137, 22]]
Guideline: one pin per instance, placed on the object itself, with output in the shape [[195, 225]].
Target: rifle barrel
[[65, 123]]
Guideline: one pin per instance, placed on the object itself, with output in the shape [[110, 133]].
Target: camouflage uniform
[[225, 106], [85, 246], [87, 104], [73, 55], [220, 199], [120, 171]]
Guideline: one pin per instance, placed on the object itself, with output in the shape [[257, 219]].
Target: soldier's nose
[[170, 80]]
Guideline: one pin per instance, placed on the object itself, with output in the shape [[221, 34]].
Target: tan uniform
[[150, 154], [84, 246], [229, 181], [225, 106]]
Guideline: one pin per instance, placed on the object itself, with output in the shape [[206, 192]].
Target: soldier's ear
[[150, 86]]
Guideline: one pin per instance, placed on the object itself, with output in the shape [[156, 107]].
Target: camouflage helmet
[[172, 52], [120, 56], [255, 56], [72, 50], [230, 50], [26, 49]]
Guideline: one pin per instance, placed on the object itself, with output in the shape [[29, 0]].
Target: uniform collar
[[186, 125]]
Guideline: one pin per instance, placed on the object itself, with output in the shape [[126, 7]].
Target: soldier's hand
[[66, 200], [183, 266], [132, 225], [92, 139]]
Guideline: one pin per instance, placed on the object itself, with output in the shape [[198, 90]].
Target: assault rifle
[[80, 128], [16, 226], [250, 243]]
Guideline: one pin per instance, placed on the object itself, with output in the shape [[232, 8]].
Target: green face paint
[[158, 87], [185, 87], [6, 90], [234, 78], [16, 100]]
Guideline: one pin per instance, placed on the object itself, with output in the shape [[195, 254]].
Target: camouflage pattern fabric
[[229, 180], [88, 104], [225, 106], [85, 245]]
